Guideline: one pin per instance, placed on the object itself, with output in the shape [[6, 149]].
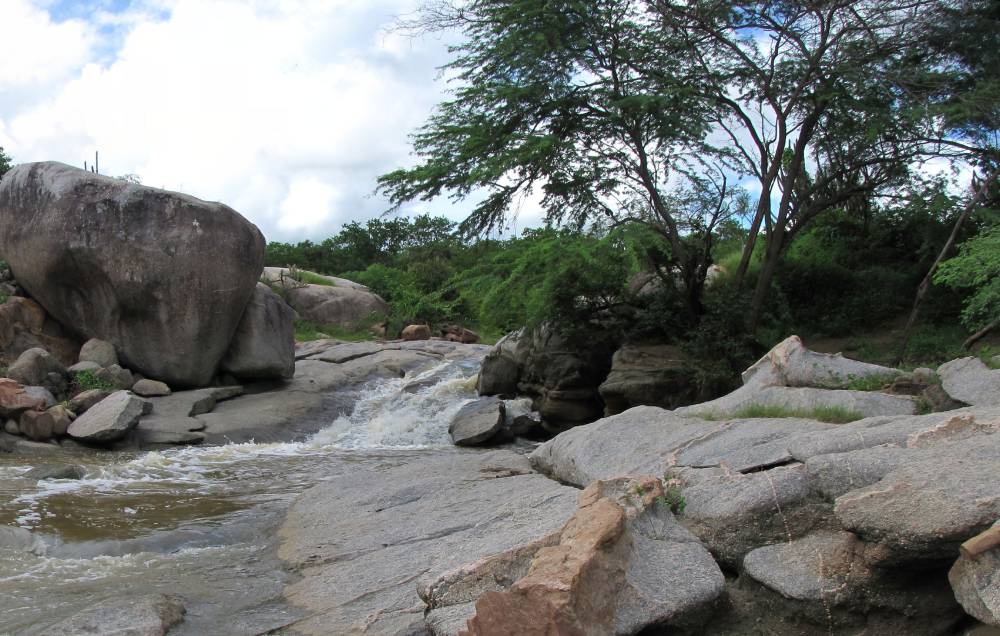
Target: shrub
[[86, 381]]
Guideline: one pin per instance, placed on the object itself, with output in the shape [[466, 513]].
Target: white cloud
[[285, 109]]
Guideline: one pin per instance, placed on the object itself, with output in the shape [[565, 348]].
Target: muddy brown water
[[199, 522]]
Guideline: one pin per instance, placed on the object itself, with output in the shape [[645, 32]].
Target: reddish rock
[[416, 332], [454, 333], [14, 400]]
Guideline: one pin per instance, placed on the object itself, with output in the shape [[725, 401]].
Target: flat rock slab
[[151, 615], [363, 541], [969, 380]]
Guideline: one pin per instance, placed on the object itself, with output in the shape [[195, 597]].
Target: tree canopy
[[5, 162]]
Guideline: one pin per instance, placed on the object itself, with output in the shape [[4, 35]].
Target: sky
[[286, 110]]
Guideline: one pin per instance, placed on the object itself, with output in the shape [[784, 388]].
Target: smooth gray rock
[[34, 365], [647, 374], [501, 368], [969, 380], [86, 366], [790, 363], [150, 388], [341, 352], [150, 615], [86, 399], [362, 540], [976, 583], [264, 344], [109, 420], [100, 352], [925, 507], [162, 276], [477, 422], [41, 393], [342, 303], [823, 583]]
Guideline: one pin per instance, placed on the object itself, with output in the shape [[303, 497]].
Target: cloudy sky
[[287, 110]]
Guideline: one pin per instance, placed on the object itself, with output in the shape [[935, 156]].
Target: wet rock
[[86, 399], [20, 540], [116, 376], [366, 541], [151, 615], [86, 366], [56, 471], [150, 388], [650, 374], [33, 367], [108, 420], [477, 422], [15, 399], [162, 276], [976, 583], [99, 352], [264, 344], [621, 564], [970, 381], [415, 332]]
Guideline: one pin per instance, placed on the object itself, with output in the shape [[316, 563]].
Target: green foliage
[[306, 331], [5, 162], [869, 382], [86, 381], [977, 269], [672, 499], [310, 278]]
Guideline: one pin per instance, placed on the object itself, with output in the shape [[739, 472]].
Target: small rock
[[33, 367], [100, 352], [416, 332], [109, 420], [151, 615], [41, 393], [925, 375], [19, 540], [37, 425], [116, 376], [61, 419], [977, 586], [150, 388], [477, 422], [85, 366], [86, 399], [969, 380], [56, 471], [11, 427]]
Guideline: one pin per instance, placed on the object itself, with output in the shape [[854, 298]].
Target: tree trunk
[[976, 337], [762, 208], [767, 270], [925, 284]]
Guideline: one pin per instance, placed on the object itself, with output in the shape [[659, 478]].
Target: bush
[[86, 381]]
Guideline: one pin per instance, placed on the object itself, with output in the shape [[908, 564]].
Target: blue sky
[[286, 110]]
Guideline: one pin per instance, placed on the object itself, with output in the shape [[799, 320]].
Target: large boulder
[[109, 420], [620, 564], [477, 422], [264, 344], [99, 352], [969, 380], [651, 374], [337, 302], [162, 276]]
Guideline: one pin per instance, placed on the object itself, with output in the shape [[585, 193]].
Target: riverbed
[[200, 521]]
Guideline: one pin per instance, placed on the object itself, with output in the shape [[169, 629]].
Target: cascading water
[[200, 521]]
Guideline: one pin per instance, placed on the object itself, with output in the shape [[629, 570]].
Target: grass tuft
[[829, 414]]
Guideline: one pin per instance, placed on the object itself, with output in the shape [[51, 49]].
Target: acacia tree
[[604, 103], [552, 95]]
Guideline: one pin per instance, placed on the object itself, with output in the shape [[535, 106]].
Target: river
[[200, 521]]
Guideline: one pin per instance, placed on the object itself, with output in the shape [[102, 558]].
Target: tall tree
[[5, 162], [555, 95]]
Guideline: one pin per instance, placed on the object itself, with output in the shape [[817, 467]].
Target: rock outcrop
[[651, 375], [162, 276], [264, 344], [340, 302], [794, 378], [621, 564]]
